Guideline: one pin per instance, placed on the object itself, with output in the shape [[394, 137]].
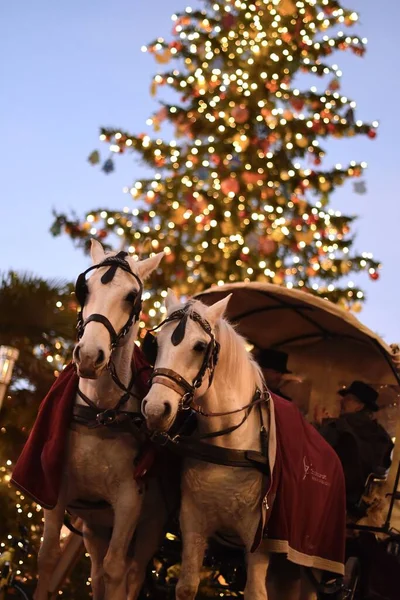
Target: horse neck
[[232, 388], [103, 391]]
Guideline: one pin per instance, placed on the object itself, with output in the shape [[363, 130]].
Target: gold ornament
[[277, 235], [325, 186], [278, 279], [302, 142], [286, 8], [345, 267], [304, 236]]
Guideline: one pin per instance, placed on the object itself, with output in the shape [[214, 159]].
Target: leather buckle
[[107, 417], [160, 438]]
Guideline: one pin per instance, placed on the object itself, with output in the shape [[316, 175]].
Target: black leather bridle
[[108, 416], [171, 378], [81, 291]]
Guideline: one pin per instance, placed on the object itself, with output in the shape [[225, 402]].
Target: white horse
[[100, 462], [216, 498]]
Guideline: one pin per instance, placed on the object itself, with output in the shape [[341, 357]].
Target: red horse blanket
[[304, 509], [39, 469]]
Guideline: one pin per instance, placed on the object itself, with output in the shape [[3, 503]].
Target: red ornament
[[297, 103], [266, 245], [252, 178], [230, 185], [374, 276], [371, 134], [240, 113], [228, 20], [102, 234]]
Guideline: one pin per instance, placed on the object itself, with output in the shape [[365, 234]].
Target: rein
[[97, 417], [188, 446]]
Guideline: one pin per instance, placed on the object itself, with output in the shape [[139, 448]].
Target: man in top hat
[[362, 444], [273, 364]]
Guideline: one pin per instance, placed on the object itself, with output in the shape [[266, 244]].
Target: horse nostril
[[144, 407], [77, 352], [167, 409], [100, 357]]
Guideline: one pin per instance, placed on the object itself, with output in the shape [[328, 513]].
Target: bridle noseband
[[172, 379]]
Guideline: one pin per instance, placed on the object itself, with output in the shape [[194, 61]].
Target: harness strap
[[107, 416], [258, 398], [187, 447], [98, 318], [212, 434], [174, 381], [121, 422]]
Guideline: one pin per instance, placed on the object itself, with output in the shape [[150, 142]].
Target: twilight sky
[[69, 67]]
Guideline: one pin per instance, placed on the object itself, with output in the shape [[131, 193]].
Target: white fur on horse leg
[[148, 538], [126, 506], [96, 545], [194, 545], [257, 567], [50, 550], [194, 539]]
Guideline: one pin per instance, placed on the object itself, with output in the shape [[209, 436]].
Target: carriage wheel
[[351, 579], [15, 592]]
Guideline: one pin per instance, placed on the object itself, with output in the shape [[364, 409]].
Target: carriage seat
[[360, 508]]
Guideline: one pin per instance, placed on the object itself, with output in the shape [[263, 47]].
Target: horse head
[[111, 301], [187, 354]]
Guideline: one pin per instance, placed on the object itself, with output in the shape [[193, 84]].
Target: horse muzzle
[[90, 364], [159, 415]]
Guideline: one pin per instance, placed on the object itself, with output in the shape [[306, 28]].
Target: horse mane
[[237, 357]]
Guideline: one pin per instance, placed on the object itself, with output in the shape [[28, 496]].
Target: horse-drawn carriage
[[327, 348]]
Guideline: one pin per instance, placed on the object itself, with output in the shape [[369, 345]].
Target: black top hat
[[273, 359], [364, 392]]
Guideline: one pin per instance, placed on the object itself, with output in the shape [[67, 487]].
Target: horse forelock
[[233, 354]]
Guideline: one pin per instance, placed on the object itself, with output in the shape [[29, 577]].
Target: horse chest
[[97, 466], [227, 492]]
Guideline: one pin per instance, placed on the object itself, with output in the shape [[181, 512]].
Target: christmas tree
[[241, 192]]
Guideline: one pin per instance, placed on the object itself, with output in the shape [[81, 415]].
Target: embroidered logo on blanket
[[309, 471]]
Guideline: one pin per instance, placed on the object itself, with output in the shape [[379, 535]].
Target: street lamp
[[8, 356]]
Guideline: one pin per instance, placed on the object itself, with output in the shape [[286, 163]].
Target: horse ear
[[170, 300], [147, 266], [216, 311], [96, 251]]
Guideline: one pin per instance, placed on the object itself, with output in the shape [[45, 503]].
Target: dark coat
[[363, 446], [279, 392]]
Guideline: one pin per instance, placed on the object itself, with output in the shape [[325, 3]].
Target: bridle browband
[[171, 378], [108, 416]]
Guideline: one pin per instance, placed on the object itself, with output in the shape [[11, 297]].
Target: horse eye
[[131, 297], [200, 347]]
